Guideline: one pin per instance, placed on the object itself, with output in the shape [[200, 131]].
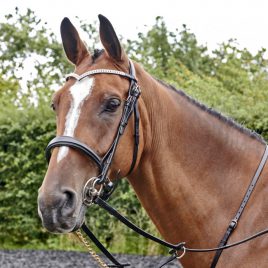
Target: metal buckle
[[90, 192], [233, 224], [135, 90]]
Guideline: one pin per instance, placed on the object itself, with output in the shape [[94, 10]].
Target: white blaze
[[80, 91]]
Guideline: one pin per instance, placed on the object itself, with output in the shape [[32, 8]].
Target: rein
[[98, 189], [173, 247]]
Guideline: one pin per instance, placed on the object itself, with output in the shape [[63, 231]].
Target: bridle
[[101, 185], [98, 189]]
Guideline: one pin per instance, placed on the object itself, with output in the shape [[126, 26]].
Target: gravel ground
[[70, 259]]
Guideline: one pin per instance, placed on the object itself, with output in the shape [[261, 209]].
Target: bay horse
[[191, 169]]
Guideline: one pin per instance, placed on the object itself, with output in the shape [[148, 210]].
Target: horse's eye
[[112, 105], [53, 106]]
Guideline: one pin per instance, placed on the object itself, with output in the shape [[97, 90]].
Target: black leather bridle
[[98, 189], [90, 191]]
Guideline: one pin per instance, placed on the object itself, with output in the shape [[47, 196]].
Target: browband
[[100, 71]]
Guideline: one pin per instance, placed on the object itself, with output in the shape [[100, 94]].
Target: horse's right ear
[[74, 47], [110, 40]]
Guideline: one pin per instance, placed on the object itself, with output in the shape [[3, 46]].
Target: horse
[[190, 170]]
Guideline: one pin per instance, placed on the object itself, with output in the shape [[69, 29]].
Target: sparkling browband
[[99, 71]]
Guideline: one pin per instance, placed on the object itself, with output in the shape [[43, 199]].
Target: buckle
[[135, 90], [233, 224]]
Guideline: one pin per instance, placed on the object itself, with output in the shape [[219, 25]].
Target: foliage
[[230, 79], [22, 138]]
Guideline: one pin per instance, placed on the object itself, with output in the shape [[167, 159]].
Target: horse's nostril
[[70, 198], [69, 204]]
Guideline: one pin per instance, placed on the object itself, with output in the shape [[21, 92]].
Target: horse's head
[[89, 109]]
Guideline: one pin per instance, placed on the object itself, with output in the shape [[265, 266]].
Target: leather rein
[[98, 189]]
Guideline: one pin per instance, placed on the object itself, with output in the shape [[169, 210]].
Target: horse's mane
[[227, 120]]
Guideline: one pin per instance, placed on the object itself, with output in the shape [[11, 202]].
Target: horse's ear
[[110, 40], [74, 47]]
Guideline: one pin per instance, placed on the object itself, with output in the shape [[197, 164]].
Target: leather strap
[[134, 227], [136, 138], [73, 143], [132, 72], [244, 202]]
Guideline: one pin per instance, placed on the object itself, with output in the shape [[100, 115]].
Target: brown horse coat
[[193, 165]]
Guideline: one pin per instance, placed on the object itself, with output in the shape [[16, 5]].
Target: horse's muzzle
[[58, 210]]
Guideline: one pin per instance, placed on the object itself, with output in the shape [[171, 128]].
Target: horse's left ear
[[110, 40]]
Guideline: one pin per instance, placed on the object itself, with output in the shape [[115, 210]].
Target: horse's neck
[[194, 168]]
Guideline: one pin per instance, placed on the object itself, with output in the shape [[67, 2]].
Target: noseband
[[101, 185]]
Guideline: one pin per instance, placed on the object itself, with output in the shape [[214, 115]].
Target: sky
[[212, 21]]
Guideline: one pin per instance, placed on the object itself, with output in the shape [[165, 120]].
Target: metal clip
[[183, 253]]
